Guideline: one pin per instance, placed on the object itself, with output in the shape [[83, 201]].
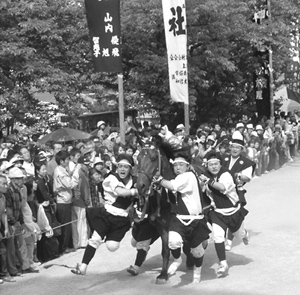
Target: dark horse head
[[153, 160]]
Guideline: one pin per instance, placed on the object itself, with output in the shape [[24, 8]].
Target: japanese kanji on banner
[[175, 30], [103, 19]]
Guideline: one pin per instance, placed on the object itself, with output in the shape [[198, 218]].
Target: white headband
[[212, 160], [179, 161], [124, 162]]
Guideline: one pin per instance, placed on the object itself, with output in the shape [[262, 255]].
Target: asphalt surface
[[268, 265]]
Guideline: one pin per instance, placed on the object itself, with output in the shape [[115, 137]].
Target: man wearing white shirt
[[187, 223]]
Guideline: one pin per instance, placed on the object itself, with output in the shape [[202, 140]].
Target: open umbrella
[[64, 135], [95, 132], [289, 99]]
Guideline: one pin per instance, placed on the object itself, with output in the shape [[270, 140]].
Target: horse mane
[[164, 146]]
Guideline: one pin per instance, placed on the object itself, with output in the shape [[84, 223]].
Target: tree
[[45, 46], [221, 40]]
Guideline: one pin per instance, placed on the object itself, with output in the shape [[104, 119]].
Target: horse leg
[[163, 276], [158, 198], [158, 206]]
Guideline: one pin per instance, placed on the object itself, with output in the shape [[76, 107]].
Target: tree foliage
[[45, 46], [222, 38]]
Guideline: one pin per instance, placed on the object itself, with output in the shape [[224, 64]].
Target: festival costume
[[241, 164], [227, 213], [187, 224], [111, 222], [244, 166]]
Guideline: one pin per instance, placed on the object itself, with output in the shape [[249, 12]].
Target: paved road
[[268, 265]]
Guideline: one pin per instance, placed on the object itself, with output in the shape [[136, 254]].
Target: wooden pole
[[271, 85], [121, 108], [271, 67], [186, 118]]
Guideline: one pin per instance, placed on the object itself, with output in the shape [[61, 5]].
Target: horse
[[153, 160]]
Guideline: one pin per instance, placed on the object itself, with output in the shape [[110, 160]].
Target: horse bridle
[[158, 173]]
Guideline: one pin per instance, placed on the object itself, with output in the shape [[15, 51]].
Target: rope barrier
[[41, 232]]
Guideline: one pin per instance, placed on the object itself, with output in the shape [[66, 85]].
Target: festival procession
[[149, 144]]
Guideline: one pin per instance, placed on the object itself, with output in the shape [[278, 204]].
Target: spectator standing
[[81, 200], [128, 125], [63, 183], [27, 164], [52, 164], [101, 126], [268, 140], [44, 191], [4, 274], [15, 220], [240, 127], [96, 188], [75, 154]]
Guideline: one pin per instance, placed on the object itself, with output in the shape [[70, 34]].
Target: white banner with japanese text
[[176, 39]]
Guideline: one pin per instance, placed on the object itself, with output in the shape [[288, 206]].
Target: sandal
[[77, 271], [132, 270]]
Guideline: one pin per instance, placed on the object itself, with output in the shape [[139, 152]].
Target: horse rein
[[151, 186], [158, 173]]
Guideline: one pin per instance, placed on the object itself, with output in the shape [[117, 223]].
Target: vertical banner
[[103, 19], [262, 74], [262, 86], [174, 12]]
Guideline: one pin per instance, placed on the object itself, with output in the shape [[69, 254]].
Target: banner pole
[[271, 68], [121, 108], [186, 118]]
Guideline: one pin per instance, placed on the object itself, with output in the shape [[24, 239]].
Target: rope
[[52, 264], [42, 232]]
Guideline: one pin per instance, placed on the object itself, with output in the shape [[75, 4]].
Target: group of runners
[[212, 203]]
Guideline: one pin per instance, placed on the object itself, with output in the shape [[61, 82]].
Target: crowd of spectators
[[45, 189]]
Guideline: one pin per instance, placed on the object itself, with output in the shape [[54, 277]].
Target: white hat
[[180, 126], [239, 125], [259, 127], [113, 135], [250, 126], [237, 138], [210, 137], [254, 133], [97, 160], [6, 165], [16, 158], [100, 123], [15, 173]]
